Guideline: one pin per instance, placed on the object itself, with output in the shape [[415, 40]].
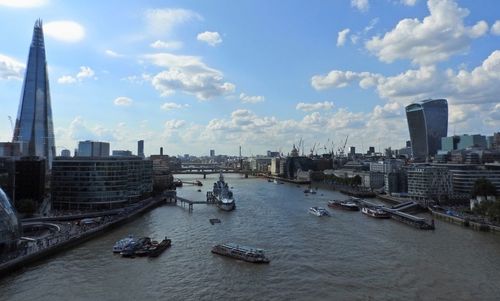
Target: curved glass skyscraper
[[10, 228], [428, 123], [34, 128]]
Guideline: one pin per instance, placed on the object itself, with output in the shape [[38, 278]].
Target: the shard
[[34, 129]]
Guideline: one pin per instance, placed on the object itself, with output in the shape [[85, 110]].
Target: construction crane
[[11, 123], [342, 149], [312, 150]]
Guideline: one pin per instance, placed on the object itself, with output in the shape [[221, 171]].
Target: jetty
[[183, 201], [397, 213]]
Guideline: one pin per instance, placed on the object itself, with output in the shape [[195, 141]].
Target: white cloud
[[65, 31], [169, 106], [340, 79], [162, 21], [362, 5], [23, 3], [66, 79], [111, 53], [342, 36], [84, 73], [318, 106], [174, 124], [188, 74], [495, 29], [436, 38], [123, 101], [251, 99], [158, 44], [10, 68], [212, 38], [409, 2]]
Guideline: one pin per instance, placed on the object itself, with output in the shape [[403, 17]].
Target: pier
[[183, 201], [397, 214]]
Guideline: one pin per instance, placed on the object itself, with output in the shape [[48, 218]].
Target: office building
[[65, 153], [121, 153], [140, 148], [463, 142], [93, 149], [34, 128], [10, 149], [464, 176], [429, 182], [29, 180], [212, 153], [427, 123], [100, 182]]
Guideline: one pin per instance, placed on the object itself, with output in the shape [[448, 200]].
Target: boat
[[344, 205], [248, 254], [375, 212], [309, 190], [135, 245], [269, 180], [318, 211], [214, 221], [223, 195], [120, 245], [162, 246], [275, 181]]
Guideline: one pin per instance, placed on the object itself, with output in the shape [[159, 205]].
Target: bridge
[[183, 201], [206, 169]]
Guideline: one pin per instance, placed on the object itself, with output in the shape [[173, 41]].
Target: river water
[[347, 256]]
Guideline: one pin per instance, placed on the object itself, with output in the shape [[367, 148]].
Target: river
[[347, 256]]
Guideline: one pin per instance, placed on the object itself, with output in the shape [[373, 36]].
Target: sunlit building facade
[[428, 123], [34, 128]]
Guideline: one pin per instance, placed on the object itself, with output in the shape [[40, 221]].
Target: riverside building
[[427, 182], [100, 183]]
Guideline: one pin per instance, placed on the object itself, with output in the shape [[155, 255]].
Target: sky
[[190, 76]]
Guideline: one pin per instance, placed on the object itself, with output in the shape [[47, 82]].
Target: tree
[[483, 187]]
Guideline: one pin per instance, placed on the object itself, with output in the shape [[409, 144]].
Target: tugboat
[[223, 195], [375, 212], [344, 205], [318, 211], [241, 252]]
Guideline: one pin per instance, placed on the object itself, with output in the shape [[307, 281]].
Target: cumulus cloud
[[111, 53], [159, 44], [409, 2], [340, 79], [10, 68], [318, 106], [435, 38], [174, 124], [64, 31], [342, 36], [188, 74], [163, 21], [212, 38], [85, 72], [495, 29], [169, 106], [123, 101], [361, 5], [251, 99], [23, 3]]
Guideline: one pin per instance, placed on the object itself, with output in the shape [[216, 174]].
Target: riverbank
[[66, 241], [465, 222]]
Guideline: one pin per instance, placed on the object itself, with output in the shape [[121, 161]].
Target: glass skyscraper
[[34, 128], [428, 123]]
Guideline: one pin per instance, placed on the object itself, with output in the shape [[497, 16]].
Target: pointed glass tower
[[34, 128]]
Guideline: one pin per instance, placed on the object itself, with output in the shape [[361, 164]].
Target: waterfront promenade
[[73, 232]]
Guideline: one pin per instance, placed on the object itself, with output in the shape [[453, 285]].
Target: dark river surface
[[347, 256]]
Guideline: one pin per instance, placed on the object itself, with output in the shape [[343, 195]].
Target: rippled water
[[345, 257]]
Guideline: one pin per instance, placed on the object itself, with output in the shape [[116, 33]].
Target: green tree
[[483, 187]]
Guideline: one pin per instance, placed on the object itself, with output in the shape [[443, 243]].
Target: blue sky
[[197, 75]]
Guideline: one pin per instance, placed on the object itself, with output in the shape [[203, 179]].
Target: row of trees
[[489, 208], [353, 182]]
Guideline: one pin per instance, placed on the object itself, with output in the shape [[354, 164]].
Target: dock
[[406, 218], [183, 201]]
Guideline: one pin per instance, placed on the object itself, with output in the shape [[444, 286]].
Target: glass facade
[[10, 228], [34, 128], [427, 123]]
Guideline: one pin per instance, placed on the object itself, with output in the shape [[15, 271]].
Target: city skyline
[[190, 78]]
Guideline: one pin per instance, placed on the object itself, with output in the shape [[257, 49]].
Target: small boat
[[199, 190], [375, 212], [318, 211], [214, 221], [248, 254], [309, 190], [344, 205], [120, 245], [269, 180], [162, 246]]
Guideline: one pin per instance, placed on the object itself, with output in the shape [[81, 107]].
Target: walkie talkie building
[[34, 129], [428, 123]]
